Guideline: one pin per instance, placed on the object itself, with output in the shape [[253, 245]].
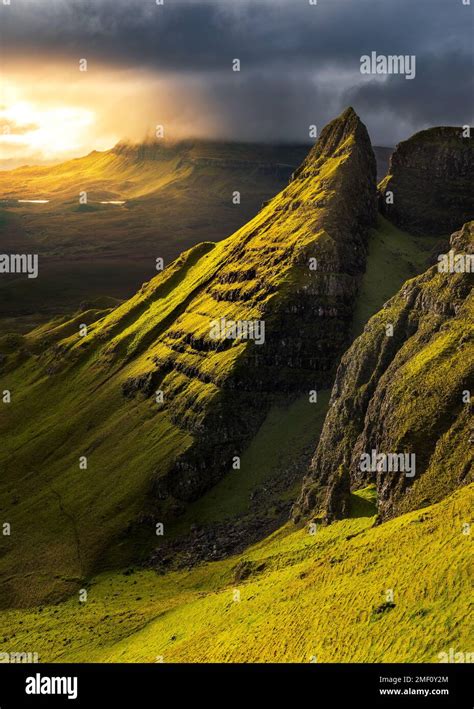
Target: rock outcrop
[[296, 268], [403, 387], [429, 188], [157, 403]]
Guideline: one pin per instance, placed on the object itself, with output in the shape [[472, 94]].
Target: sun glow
[[50, 132], [69, 114]]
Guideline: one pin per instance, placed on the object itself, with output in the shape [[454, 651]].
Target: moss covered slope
[[94, 394], [403, 387]]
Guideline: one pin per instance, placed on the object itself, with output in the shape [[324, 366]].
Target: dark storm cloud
[[188, 34], [300, 63], [441, 94]]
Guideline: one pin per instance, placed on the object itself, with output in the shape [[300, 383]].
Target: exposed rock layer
[[430, 178], [407, 392], [220, 391]]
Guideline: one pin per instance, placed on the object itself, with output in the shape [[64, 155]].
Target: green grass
[[363, 502], [68, 400], [394, 256], [306, 596], [62, 410], [405, 393], [281, 440], [72, 514]]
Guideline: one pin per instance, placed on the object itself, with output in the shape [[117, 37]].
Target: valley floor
[[351, 592]]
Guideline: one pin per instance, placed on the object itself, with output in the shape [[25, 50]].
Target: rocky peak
[[430, 182], [162, 405], [220, 391]]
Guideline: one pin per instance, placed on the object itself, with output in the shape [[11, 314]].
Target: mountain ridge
[[373, 407], [152, 460], [99, 390]]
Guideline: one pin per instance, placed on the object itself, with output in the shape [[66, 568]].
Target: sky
[[171, 65]]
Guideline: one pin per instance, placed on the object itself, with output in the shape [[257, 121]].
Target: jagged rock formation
[[404, 393], [220, 390], [430, 177], [159, 407]]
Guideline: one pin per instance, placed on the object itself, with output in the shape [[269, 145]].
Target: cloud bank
[[300, 63]]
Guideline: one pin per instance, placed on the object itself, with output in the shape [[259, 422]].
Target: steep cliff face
[[403, 387], [157, 403], [429, 187], [220, 389]]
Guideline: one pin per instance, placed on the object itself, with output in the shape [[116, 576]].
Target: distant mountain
[[174, 196]]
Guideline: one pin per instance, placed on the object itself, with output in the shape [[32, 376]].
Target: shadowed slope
[[403, 390], [429, 187]]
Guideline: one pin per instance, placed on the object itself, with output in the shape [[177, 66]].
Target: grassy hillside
[[55, 418], [111, 488], [68, 401], [230, 579], [295, 597], [394, 256], [94, 396], [175, 196]]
